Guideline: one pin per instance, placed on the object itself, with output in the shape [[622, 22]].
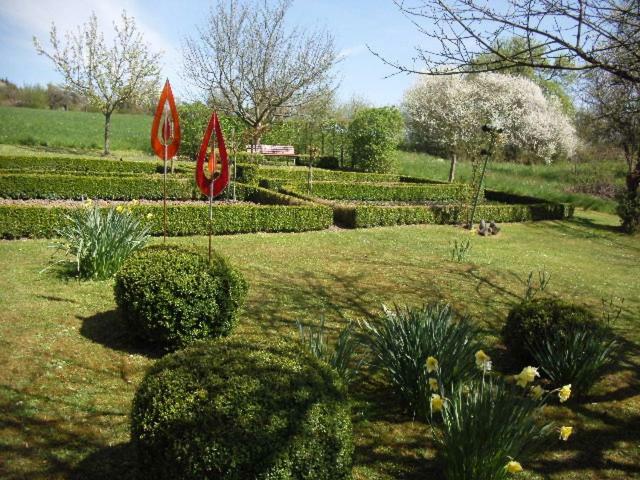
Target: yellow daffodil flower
[[527, 375], [432, 364], [437, 402], [565, 433], [149, 216], [120, 209], [537, 392], [564, 393], [483, 361], [513, 467], [433, 384]]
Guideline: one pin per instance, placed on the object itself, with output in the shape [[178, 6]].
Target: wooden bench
[[274, 151]]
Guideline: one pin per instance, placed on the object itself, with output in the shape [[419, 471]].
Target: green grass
[[550, 182], [57, 128], [70, 370]]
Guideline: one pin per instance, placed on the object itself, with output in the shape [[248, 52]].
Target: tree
[[451, 111], [374, 134], [576, 35], [252, 66], [108, 78]]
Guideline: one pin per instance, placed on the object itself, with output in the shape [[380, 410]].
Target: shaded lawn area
[[70, 369]]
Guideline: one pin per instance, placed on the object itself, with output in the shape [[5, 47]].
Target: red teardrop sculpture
[[169, 134], [220, 181]]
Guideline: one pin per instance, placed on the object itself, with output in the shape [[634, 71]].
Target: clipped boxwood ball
[[537, 319], [228, 409], [171, 296]]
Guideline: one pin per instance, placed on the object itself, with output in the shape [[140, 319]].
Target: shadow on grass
[[109, 463], [109, 329]]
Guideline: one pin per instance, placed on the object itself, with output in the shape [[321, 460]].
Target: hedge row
[[361, 216], [408, 192], [42, 222], [253, 173], [86, 165], [50, 186]]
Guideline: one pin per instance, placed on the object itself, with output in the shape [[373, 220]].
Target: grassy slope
[[70, 371], [56, 128], [545, 181]]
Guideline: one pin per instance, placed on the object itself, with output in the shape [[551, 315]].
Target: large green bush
[[231, 409], [628, 209], [171, 297], [374, 134], [532, 321]]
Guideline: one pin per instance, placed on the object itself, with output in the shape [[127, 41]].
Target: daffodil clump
[[503, 409]]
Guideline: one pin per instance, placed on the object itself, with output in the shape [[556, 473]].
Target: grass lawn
[[56, 128], [70, 370], [551, 182]]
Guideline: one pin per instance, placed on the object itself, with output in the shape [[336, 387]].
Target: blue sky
[[354, 23]]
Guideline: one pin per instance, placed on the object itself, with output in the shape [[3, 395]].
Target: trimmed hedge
[[171, 296], [85, 165], [252, 174], [232, 410], [359, 216], [412, 192], [280, 214], [52, 186]]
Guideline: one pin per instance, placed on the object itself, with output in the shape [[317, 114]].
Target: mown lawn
[[70, 369], [555, 182]]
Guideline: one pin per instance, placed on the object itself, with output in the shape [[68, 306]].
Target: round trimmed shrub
[[531, 321], [229, 409], [171, 296]]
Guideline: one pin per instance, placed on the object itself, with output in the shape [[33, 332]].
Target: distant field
[[552, 182], [57, 128]]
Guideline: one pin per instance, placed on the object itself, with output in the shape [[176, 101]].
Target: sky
[[355, 25]]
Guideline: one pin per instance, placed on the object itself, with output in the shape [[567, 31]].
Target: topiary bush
[[171, 296], [374, 135], [235, 410], [530, 321]]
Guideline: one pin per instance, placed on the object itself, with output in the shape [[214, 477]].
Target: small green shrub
[[577, 356], [460, 251], [171, 297], [374, 134], [628, 209], [401, 340], [230, 409], [485, 425], [101, 240], [538, 319]]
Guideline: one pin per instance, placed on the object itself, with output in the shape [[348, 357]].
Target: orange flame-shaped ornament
[[165, 130], [218, 181]]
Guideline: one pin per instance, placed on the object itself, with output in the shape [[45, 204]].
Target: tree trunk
[[107, 133], [452, 170]]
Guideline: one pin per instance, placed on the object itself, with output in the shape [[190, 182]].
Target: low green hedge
[[85, 165], [409, 192], [253, 173], [18, 221], [359, 216]]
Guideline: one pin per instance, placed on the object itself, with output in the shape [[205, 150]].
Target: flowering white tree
[[450, 111]]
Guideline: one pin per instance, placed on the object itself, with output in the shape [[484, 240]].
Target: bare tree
[[107, 77], [575, 35], [250, 65]]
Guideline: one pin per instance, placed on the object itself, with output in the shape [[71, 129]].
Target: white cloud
[[351, 51]]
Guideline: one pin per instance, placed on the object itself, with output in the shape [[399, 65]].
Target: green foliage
[[36, 221], [194, 118], [339, 356], [628, 209], [360, 216], [101, 240], [401, 340], [254, 173], [531, 289], [486, 424], [459, 251], [171, 297], [407, 192], [233, 409], [84, 166], [578, 356], [541, 319], [54, 186], [374, 134]]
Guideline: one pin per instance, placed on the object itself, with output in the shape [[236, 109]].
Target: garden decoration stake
[[487, 154], [165, 138], [217, 181]]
